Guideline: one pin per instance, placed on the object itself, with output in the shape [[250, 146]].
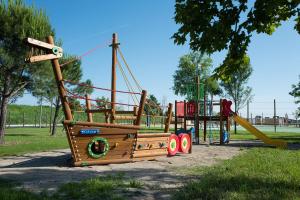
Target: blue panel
[[89, 131]]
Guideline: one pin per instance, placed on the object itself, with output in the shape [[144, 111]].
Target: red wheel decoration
[[173, 145], [185, 143]]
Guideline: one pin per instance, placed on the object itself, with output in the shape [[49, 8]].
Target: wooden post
[[197, 110], [88, 107], [60, 84], [141, 108], [175, 116], [135, 113], [169, 118], [114, 46], [184, 115], [221, 122], [197, 123]]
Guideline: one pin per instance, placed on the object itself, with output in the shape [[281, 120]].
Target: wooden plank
[[113, 145], [113, 140], [38, 43], [146, 153], [70, 143], [119, 150], [141, 108], [152, 139], [124, 117], [101, 162], [83, 154], [75, 130], [109, 155], [96, 124], [145, 135], [151, 145], [125, 112], [43, 57], [88, 107], [98, 111]]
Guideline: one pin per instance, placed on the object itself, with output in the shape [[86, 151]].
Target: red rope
[[75, 96], [90, 86], [87, 53]]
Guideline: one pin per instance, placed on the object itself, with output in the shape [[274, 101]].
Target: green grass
[[260, 173], [8, 191], [26, 140], [111, 187], [291, 137], [288, 136]]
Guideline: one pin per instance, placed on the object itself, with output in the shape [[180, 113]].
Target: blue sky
[[144, 29]]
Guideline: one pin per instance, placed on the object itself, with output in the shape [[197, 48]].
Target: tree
[[296, 94], [152, 106], [103, 102], [215, 25], [213, 87], [235, 86], [17, 21], [84, 88], [189, 67]]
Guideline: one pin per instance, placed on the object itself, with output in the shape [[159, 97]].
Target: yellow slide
[[259, 134]]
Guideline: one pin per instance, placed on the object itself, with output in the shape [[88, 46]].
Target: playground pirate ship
[[110, 142]]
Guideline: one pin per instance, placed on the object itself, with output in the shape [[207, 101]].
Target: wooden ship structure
[[95, 143]]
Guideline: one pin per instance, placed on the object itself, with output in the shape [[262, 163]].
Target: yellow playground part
[[259, 134]]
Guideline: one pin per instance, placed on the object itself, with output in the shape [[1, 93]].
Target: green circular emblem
[[98, 147]]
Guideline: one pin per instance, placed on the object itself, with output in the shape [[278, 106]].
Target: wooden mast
[[114, 46], [60, 83]]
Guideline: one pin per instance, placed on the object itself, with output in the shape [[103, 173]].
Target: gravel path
[[48, 170]]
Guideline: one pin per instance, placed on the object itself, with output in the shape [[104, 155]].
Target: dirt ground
[[47, 170]]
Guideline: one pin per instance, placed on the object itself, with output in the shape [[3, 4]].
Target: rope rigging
[[150, 103], [102, 45], [99, 88], [75, 96]]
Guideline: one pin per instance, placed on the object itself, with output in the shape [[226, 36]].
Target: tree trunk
[[57, 107], [3, 112]]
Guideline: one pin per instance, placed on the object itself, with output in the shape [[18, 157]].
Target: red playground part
[[180, 109], [226, 107], [173, 145], [190, 108], [185, 143]]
